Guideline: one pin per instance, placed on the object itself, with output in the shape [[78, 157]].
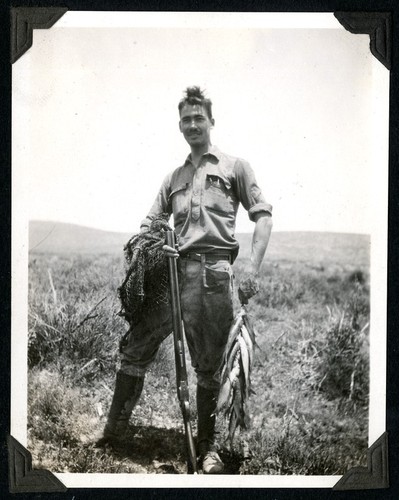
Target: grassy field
[[310, 411]]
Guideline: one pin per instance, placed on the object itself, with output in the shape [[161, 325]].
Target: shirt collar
[[212, 151]]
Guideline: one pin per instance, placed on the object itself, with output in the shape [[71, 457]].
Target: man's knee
[[208, 381], [132, 369]]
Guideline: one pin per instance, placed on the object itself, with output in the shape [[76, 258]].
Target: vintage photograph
[[199, 248]]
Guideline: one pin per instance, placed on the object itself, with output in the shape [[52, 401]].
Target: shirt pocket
[[218, 195], [179, 200]]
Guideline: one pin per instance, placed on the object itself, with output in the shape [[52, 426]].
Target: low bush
[[73, 314], [58, 413]]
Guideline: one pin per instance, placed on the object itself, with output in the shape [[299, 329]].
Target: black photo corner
[[380, 20]]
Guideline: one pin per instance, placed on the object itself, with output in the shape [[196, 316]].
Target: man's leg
[[206, 405], [138, 351], [127, 392], [207, 313]]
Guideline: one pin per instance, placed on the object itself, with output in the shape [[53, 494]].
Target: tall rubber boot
[[206, 405], [127, 392]]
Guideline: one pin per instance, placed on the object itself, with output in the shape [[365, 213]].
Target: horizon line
[[240, 232]]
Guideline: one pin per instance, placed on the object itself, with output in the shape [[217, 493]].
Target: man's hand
[[248, 288], [170, 252]]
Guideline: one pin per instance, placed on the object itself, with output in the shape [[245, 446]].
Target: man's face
[[196, 125]]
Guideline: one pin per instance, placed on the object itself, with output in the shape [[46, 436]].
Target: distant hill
[[315, 247], [59, 237]]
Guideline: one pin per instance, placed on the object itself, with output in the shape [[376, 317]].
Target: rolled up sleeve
[[160, 205], [248, 191]]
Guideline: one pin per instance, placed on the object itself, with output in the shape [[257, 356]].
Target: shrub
[[73, 313], [57, 412], [344, 364]]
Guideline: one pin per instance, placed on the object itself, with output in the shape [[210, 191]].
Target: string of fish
[[235, 386]]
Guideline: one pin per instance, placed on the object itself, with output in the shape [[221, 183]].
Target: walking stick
[[181, 371]]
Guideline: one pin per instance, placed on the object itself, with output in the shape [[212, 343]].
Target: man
[[203, 195]]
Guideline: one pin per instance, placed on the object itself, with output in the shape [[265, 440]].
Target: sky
[[95, 120]]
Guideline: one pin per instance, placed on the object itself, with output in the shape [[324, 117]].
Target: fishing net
[[146, 284]]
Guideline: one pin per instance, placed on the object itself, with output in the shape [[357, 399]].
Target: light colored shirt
[[204, 201]]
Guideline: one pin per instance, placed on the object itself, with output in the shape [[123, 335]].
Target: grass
[[309, 414]]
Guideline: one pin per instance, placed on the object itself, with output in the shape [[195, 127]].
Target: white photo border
[[378, 263]]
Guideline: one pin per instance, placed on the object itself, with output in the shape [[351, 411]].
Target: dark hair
[[195, 96]]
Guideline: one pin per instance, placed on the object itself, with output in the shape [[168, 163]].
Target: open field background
[[309, 413]]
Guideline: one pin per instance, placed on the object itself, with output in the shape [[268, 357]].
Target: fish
[[229, 373], [249, 327], [235, 386], [250, 346], [234, 331], [228, 365], [244, 362]]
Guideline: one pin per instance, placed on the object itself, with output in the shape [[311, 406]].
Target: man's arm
[[160, 205], [260, 240], [259, 211]]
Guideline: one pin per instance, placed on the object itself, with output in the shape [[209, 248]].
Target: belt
[[206, 257]]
